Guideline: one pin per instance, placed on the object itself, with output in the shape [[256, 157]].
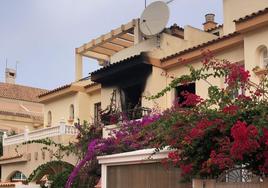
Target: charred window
[[182, 89], [97, 111], [132, 101], [132, 97]]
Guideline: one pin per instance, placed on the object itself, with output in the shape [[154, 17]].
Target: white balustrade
[[19, 138], [71, 130], [40, 134]]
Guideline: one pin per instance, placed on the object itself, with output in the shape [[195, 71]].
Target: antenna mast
[[145, 3], [6, 62], [169, 1], [17, 62]]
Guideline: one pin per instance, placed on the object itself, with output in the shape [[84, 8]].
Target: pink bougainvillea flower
[[191, 99], [232, 109], [245, 140]]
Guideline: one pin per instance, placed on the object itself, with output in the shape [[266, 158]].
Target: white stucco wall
[[60, 109], [235, 9], [253, 41]]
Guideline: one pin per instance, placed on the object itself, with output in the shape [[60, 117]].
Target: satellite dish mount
[[154, 19]]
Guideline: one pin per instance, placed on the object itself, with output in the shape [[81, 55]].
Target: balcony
[[131, 114], [39, 134], [112, 121]]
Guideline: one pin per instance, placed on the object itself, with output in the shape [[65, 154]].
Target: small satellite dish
[[154, 18]]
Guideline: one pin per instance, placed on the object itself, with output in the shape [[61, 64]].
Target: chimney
[[210, 22], [11, 75]]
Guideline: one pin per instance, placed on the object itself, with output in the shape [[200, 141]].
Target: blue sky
[[42, 34]]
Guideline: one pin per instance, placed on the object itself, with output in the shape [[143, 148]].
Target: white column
[[26, 134], [137, 33], [62, 126], [78, 67], [3, 138], [103, 176]]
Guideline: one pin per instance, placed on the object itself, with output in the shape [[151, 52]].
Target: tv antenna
[[17, 62], [170, 1]]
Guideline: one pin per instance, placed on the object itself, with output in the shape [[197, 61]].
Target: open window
[[132, 101], [97, 112], [264, 57], [181, 89], [132, 97], [49, 118], [71, 112]]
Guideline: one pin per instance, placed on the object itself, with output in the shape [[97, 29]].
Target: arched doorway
[[44, 172]]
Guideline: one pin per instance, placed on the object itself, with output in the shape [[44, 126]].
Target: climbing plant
[[89, 175], [49, 168], [207, 136]]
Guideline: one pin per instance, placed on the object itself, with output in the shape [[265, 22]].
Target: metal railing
[[132, 114]]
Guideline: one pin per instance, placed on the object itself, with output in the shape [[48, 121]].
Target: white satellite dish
[[154, 18]]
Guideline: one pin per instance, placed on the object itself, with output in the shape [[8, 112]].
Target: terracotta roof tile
[[175, 26], [214, 28], [91, 84], [29, 116], [118, 63], [10, 157], [7, 184], [200, 46], [19, 92], [55, 90], [253, 15]]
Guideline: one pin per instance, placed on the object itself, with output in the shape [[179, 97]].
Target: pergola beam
[[124, 29], [121, 42], [127, 37], [113, 47], [104, 51], [95, 55]]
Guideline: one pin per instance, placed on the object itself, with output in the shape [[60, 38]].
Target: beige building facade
[[19, 106], [134, 66]]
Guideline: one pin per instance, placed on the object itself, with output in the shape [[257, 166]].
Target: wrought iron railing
[[132, 114]]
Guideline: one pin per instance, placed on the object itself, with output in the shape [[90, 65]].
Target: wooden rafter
[[127, 37], [113, 47], [121, 42], [95, 55], [107, 48], [104, 51], [110, 43]]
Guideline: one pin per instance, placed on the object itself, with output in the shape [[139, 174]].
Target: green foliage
[[45, 169], [88, 176], [59, 180]]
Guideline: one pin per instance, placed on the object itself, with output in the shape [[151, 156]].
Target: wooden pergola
[[103, 47]]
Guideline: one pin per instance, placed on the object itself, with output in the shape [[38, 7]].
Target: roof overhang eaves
[[60, 93], [101, 75], [14, 159], [252, 16], [197, 53], [253, 23], [93, 88]]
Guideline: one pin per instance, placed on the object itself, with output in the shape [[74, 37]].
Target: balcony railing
[[132, 114], [39, 134]]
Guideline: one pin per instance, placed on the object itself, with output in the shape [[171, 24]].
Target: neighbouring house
[[20, 110], [19, 106], [134, 66]]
